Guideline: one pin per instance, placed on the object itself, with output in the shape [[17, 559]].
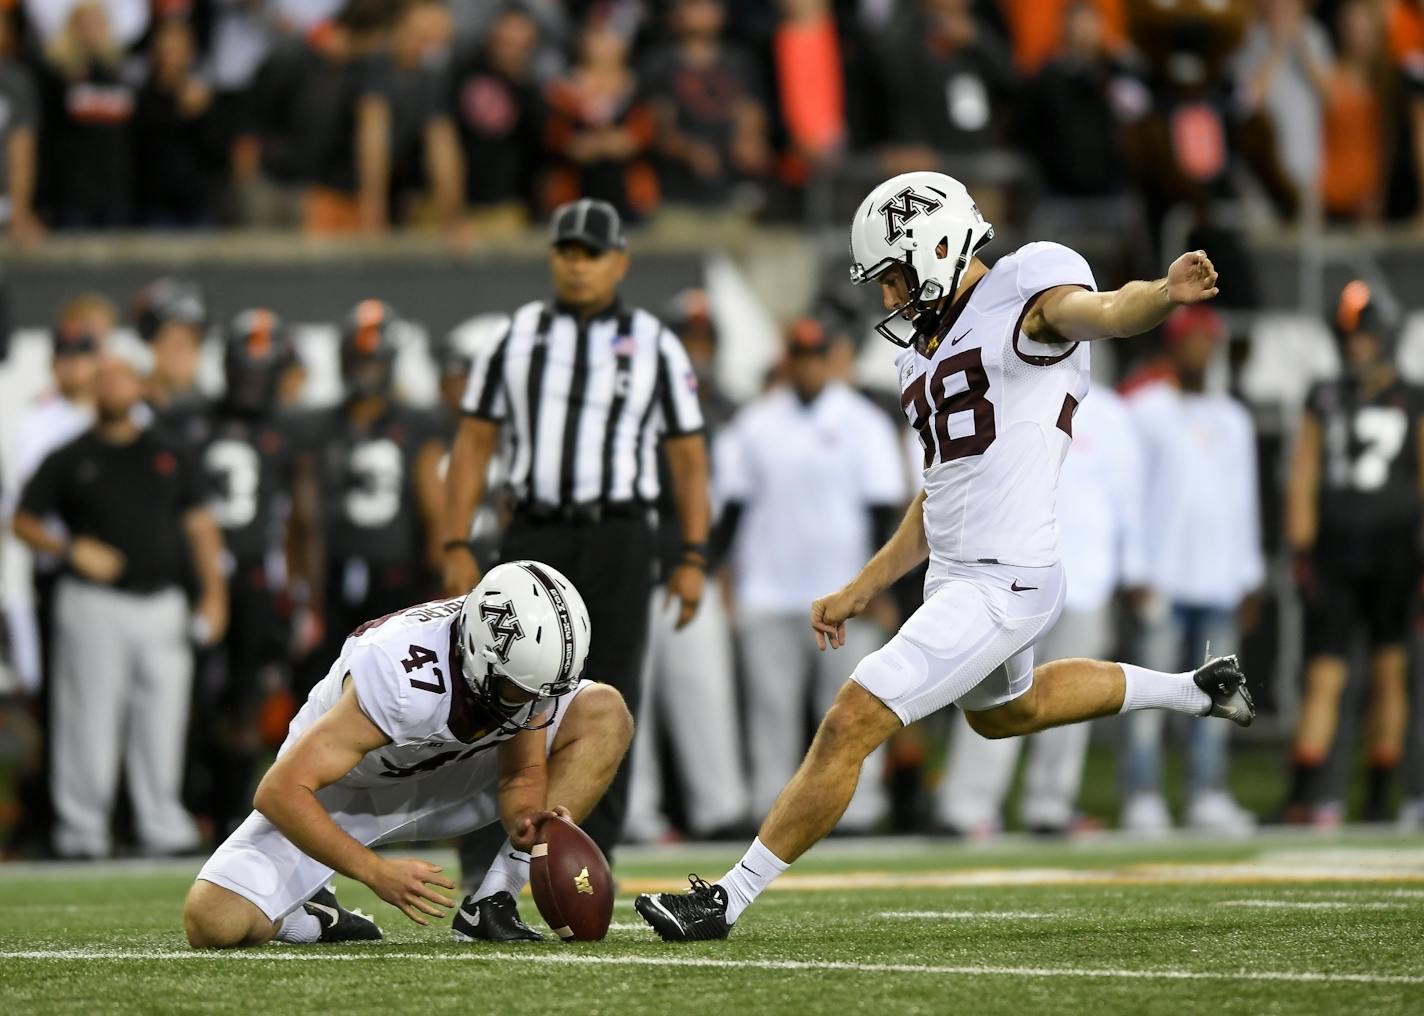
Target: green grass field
[[1297, 924]]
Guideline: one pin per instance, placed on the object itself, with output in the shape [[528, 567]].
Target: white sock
[[299, 928], [1153, 689], [756, 870], [509, 872]]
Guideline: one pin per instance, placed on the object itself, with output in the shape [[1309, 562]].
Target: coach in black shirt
[[130, 501], [589, 387]]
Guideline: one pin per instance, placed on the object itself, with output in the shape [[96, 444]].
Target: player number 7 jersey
[[993, 411]]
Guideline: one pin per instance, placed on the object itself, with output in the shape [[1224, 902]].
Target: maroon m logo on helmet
[[504, 627], [902, 208]]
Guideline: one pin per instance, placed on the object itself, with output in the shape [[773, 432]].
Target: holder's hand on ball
[[526, 829]]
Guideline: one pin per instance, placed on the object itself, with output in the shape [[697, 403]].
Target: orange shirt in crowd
[[1406, 29], [808, 71], [1037, 28], [1354, 143]]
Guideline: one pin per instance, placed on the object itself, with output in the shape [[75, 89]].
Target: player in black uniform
[[171, 315], [1353, 513], [263, 496], [380, 486]]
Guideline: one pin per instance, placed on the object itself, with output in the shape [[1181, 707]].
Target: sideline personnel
[[123, 667], [588, 386]]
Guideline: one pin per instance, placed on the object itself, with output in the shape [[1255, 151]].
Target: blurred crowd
[[202, 546], [476, 116]]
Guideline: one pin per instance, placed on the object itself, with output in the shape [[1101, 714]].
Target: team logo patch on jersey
[[505, 629], [903, 207]]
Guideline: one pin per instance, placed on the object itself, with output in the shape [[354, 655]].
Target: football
[[572, 885]]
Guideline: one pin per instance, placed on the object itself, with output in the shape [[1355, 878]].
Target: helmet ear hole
[[942, 248]]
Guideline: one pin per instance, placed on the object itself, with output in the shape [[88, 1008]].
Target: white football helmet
[[527, 623], [902, 222]]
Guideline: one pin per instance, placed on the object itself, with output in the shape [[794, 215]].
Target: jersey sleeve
[[382, 696], [40, 494], [677, 384], [485, 397], [1042, 266]]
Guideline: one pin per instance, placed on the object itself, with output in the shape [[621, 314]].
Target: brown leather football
[[572, 885]]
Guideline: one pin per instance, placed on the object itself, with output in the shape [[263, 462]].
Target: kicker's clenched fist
[[1192, 278]]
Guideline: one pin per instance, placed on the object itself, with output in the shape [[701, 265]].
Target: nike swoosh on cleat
[[330, 912], [474, 918], [657, 904]]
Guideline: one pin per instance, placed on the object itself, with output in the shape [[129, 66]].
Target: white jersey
[[994, 413], [409, 684]]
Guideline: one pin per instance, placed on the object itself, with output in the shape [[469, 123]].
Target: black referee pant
[[610, 560]]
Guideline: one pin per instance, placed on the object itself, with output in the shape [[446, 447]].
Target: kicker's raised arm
[[1071, 314]]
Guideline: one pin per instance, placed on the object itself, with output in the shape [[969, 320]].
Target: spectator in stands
[[324, 121], [424, 147], [1284, 65], [599, 128], [86, 152], [1358, 105], [1071, 120], [1352, 520], [708, 103], [810, 80], [19, 141], [499, 111], [1041, 31], [131, 504], [177, 150], [811, 480], [127, 19], [1204, 562], [1406, 49], [944, 75]]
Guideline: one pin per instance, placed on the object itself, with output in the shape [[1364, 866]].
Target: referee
[[588, 387]]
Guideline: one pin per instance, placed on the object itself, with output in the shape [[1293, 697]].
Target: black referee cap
[[594, 224]]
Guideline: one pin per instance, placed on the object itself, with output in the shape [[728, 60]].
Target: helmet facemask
[[923, 307], [484, 683]]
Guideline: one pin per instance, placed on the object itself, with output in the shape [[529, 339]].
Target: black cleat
[[492, 919], [1222, 679], [696, 915], [337, 923]]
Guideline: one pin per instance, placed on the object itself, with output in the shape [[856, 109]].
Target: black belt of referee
[[588, 513]]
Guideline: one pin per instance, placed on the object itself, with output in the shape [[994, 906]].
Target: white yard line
[[963, 915], [300, 955], [1314, 904]]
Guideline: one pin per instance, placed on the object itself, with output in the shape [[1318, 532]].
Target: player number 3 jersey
[[408, 682], [993, 410]]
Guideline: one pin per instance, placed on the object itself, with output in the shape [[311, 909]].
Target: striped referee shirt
[[585, 403]]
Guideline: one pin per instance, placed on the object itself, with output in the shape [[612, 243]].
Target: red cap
[[1197, 317], [806, 335]]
